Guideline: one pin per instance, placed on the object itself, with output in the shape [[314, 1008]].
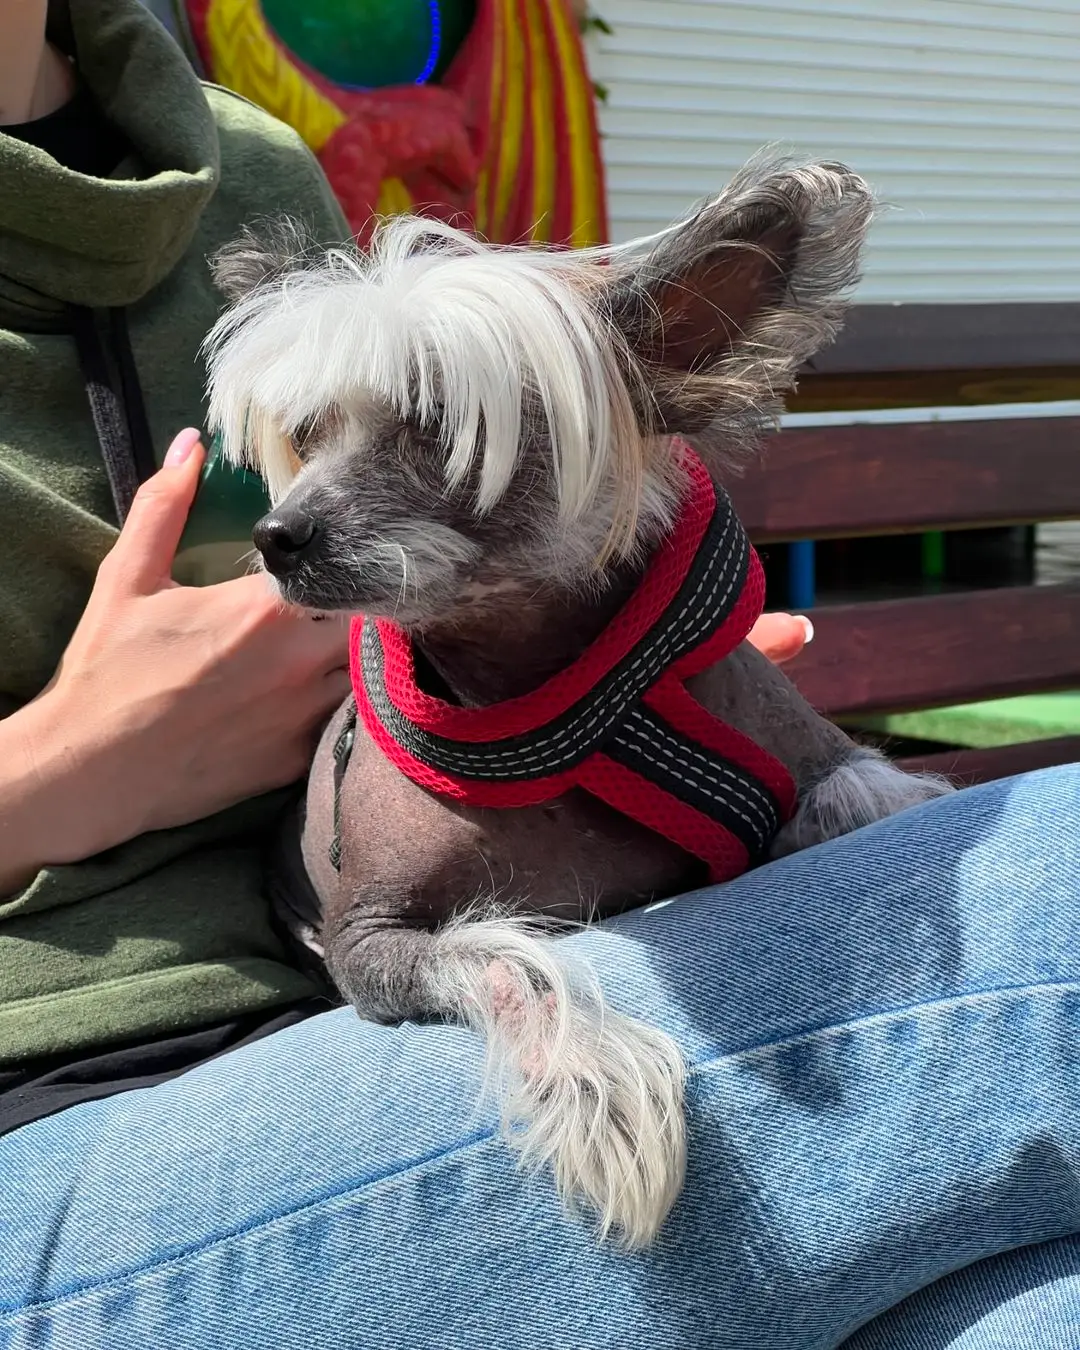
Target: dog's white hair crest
[[434, 325], [501, 347]]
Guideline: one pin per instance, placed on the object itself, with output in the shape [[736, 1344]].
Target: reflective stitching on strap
[[666, 743], [711, 785]]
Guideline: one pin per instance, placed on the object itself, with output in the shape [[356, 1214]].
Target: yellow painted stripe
[[395, 198], [246, 59], [587, 224], [485, 182], [542, 94], [511, 132]]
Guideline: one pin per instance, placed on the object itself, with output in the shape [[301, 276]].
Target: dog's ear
[[260, 253], [723, 311]]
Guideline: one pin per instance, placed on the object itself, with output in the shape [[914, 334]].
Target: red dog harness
[[618, 722]]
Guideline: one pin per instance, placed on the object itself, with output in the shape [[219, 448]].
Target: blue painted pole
[[802, 586]]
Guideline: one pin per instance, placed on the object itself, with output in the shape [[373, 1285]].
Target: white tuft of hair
[[432, 323], [593, 1095], [861, 789]]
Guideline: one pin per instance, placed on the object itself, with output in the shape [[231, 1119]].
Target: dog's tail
[[594, 1095]]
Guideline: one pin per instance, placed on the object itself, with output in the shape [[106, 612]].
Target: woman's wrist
[[48, 806]]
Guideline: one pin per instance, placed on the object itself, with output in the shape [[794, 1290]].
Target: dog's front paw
[[595, 1096]]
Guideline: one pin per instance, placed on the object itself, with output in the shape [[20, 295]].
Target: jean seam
[[716, 1060], [262, 1221]]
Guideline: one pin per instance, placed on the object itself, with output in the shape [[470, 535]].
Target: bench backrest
[[979, 467]]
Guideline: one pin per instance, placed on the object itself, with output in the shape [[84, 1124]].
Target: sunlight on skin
[[35, 79]]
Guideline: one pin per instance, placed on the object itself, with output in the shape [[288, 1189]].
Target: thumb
[[141, 559]]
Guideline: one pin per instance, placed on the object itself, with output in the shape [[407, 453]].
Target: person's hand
[[172, 702], [781, 637]]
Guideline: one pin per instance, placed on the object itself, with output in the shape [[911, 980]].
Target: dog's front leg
[[595, 1095]]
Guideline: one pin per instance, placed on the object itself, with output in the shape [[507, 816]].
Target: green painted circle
[[369, 44]]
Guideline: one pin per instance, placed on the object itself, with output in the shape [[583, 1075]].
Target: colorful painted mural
[[475, 111]]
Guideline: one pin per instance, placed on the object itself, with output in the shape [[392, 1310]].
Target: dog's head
[[439, 420]]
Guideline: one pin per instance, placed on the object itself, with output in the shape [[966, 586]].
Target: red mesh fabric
[[634, 796], [470, 791], [727, 637], [618, 786]]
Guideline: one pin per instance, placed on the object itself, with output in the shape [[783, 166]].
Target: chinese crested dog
[[509, 464]]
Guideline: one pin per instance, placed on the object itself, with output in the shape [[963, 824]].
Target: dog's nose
[[283, 538]]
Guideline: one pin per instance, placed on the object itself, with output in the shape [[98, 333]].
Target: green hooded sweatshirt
[[170, 931]]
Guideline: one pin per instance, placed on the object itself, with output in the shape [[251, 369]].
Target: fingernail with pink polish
[[182, 447]]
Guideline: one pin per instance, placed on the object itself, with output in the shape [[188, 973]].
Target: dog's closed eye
[[302, 436], [309, 432]]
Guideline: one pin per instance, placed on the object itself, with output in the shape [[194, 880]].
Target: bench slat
[[831, 482], [1011, 335], [896, 655], [967, 767]]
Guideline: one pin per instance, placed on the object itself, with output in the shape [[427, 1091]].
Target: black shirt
[[78, 136]]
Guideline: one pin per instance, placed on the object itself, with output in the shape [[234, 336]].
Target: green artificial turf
[[1001, 721]]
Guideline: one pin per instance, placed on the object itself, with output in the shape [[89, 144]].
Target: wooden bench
[[830, 482]]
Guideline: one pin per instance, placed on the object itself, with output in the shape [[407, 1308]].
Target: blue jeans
[[885, 1089]]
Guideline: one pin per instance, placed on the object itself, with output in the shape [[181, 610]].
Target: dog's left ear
[[727, 307], [260, 254]]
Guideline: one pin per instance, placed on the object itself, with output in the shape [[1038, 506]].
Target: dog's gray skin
[[713, 323]]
